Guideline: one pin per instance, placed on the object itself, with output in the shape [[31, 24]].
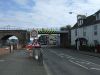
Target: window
[[84, 33], [96, 42], [95, 30], [75, 32], [79, 17], [95, 27], [80, 22], [98, 16]]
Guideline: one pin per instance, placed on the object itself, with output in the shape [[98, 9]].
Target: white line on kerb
[[79, 65]]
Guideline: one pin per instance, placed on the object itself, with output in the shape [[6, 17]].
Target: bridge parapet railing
[[10, 28]]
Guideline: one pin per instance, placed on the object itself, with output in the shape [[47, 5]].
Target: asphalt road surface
[[66, 62], [19, 63]]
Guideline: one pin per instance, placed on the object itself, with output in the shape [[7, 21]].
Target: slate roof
[[90, 20]]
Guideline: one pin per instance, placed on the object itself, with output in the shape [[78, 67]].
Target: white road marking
[[72, 58], [95, 68], [53, 52], [79, 65], [94, 63], [78, 61], [61, 56], [84, 62]]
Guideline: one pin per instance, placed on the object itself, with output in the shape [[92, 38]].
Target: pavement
[[20, 63]]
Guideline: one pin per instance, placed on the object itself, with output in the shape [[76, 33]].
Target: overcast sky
[[44, 13]]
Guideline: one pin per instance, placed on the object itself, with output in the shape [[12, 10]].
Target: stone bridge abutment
[[22, 35]]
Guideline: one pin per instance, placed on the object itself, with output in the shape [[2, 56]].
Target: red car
[[29, 47], [34, 45]]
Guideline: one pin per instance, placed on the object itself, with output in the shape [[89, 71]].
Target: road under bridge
[[64, 37]]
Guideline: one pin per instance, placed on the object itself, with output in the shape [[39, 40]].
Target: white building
[[86, 30]]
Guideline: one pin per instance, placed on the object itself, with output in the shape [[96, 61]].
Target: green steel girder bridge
[[64, 36], [52, 32]]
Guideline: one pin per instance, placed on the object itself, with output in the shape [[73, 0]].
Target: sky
[[44, 13]]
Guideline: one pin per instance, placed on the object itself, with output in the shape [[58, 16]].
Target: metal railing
[[8, 27]]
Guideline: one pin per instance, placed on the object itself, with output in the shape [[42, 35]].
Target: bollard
[[11, 48]]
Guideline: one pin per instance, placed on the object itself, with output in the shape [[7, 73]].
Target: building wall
[[89, 34], [64, 40]]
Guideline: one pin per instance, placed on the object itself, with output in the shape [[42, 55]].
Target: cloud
[[51, 13], [48, 13], [22, 2]]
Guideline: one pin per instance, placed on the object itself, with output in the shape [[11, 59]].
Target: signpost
[[34, 33], [37, 54]]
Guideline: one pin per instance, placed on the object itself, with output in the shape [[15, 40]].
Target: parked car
[[29, 47]]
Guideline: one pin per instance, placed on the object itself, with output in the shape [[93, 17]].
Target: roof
[[90, 20]]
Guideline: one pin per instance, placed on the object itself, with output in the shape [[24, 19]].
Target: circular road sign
[[34, 33]]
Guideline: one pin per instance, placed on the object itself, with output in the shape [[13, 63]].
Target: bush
[[87, 48]]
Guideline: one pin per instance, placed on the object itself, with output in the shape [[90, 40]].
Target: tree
[[65, 28], [68, 27]]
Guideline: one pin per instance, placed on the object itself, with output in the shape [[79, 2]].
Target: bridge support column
[[64, 42]]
